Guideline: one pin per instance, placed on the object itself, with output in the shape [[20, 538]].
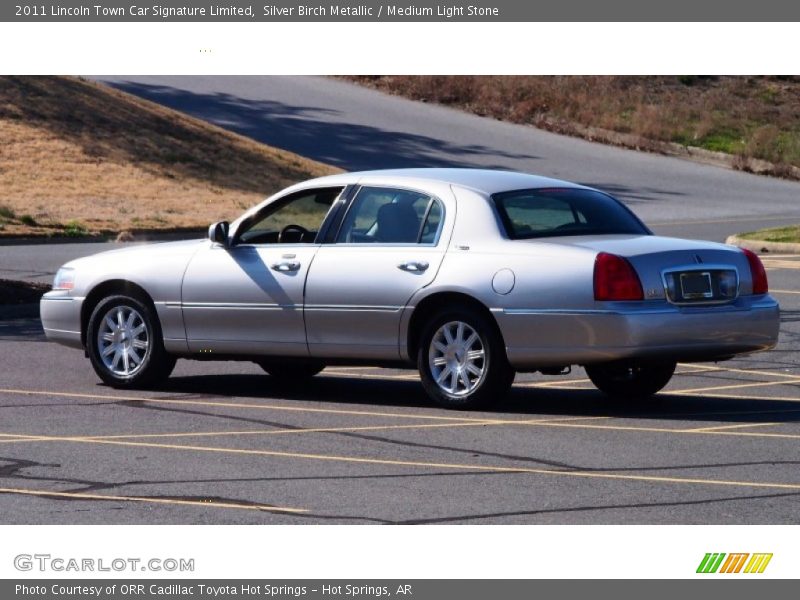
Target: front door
[[247, 298]]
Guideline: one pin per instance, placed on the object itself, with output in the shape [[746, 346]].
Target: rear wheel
[[124, 343], [630, 381], [291, 371], [462, 361]]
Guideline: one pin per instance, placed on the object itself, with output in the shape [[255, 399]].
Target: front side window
[[564, 211], [296, 219], [391, 216]]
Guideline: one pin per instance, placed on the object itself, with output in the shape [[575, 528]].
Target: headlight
[[65, 279]]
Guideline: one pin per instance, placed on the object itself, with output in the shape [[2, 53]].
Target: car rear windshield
[[564, 211]]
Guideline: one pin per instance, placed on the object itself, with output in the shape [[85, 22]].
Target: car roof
[[488, 181]]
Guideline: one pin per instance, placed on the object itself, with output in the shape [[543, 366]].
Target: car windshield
[[564, 211]]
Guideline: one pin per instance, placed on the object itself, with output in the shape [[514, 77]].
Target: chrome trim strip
[[346, 308], [240, 305], [701, 308], [50, 329], [578, 311], [260, 306]]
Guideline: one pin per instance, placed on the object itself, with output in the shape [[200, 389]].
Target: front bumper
[[647, 330], [61, 318]]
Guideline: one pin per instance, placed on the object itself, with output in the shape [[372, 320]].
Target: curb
[[764, 246], [19, 311]]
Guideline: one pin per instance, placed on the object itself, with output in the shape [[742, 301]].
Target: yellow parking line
[[784, 292], [748, 397], [747, 371], [567, 384], [46, 438], [698, 369], [292, 431], [451, 466], [730, 387], [726, 427], [203, 503], [674, 431]]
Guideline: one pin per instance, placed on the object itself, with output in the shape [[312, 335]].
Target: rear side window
[[564, 211], [391, 216]]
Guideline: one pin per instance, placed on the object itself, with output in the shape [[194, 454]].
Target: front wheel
[[629, 381], [124, 343], [462, 360]]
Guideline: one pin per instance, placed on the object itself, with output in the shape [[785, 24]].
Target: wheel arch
[[431, 304], [110, 288]]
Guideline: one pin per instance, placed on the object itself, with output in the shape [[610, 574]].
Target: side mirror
[[218, 233]]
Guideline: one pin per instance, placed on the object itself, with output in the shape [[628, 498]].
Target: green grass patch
[[789, 234], [75, 229]]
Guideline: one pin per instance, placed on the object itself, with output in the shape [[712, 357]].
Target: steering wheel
[[292, 227]]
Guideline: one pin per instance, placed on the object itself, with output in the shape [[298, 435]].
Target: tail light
[[615, 279], [757, 272]]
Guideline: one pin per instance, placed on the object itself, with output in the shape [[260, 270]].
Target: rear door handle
[[286, 266], [413, 266]]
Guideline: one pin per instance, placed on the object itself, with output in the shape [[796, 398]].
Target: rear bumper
[[61, 318], [539, 338]]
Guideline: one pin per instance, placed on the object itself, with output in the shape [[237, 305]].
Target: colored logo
[[742, 562]]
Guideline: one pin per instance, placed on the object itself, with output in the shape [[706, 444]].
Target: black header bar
[[416, 11]]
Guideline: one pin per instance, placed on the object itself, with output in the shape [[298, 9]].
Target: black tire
[[496, 376], [287, 372], [630, 381], [156, 364]]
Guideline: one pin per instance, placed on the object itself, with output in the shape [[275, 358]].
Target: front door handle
[[413, 266], [286, 266]]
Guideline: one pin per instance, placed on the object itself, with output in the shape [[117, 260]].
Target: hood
[[144, 250]]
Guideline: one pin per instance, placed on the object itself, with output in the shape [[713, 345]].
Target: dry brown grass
[[79, 157], [750, 117]]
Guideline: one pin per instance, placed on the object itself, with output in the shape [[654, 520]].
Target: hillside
[[77, 157]]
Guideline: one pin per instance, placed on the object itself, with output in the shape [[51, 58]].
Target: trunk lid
[[682, 271]]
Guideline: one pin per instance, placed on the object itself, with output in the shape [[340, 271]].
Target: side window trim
[[350, 201], [280, 202], [424, 220], [333, 222]]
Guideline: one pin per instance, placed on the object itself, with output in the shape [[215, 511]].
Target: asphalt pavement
[[223, 443]]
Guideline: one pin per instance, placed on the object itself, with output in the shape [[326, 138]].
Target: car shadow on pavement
[[21, 330], [522, 401]]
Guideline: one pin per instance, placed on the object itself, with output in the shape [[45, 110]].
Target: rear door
[[390, 244]]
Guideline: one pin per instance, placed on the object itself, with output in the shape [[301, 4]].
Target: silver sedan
[[469, 275]]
